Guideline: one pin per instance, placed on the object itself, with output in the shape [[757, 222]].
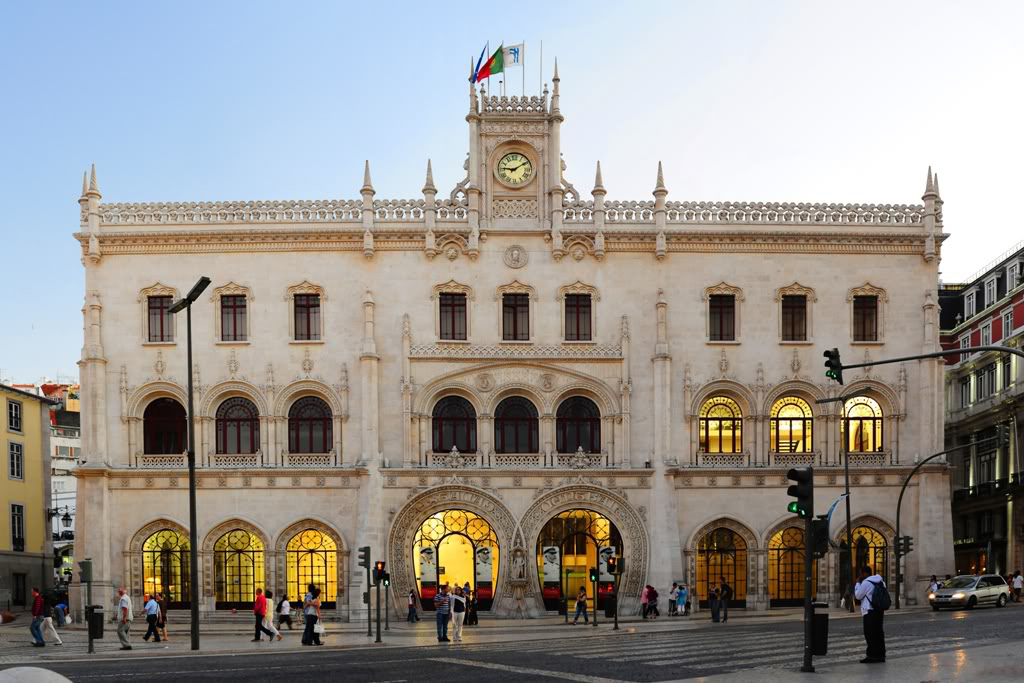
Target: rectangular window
[[19, 589], [233, 323], [986, 334], [964, 343], [968, 305], [986, 467], [13, 416], [76, 452], [986, 381], [1007, 371], [1012, 274], [1007, 323], [965, 392], [63, 451], [18, 527], [161, 319], [722, 317], [577, 317], [865, 318], [794, 317], [453, 316], [307, 317], [16, 461], [515, 317], [990, 293]]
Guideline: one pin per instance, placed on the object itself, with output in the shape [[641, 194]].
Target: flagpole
[[522, 67], [540, 80]]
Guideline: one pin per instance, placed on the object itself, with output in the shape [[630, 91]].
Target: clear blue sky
[[787, 101]]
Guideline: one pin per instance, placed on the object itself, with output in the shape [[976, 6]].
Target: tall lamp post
[[186, 305]]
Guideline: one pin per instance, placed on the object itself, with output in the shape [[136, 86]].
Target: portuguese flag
[[494, 65]]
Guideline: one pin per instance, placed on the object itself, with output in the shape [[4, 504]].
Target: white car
[[970, 591]]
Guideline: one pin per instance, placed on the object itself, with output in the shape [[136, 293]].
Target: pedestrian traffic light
[[364, 556], [593, 574], [904, 544], [366, 597], [85, 571], [378, 571], [819, 536], [1003, 434], [834, 365], [802, 490], [613, 565], [386, 579]]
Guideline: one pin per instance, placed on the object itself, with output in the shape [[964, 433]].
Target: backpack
[[880, 599]]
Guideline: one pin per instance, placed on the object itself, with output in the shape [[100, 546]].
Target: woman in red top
[[259, 610]]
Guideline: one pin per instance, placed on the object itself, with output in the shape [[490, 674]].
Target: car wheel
[[1001, 602], [972, 603]]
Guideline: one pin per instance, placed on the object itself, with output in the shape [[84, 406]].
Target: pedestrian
[[161, 621], [441, 604], [466, 590], [672, 596], [681, 599], [259, 610], [725, 597], [47, 627], [1018, 584], [652, 603], [309, 635], [644, 594], [124, 618], [948, 577], [873, 596], [471, 611], [713, 604], [413, 617], [458, 614], [318, 626], [36, 627], [933, 585], [284, 613], [581, 606], [268, 618], [60, 613], [152, 611]]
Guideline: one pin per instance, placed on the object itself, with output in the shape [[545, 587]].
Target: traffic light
[[378, 571], [85, 571], [593, 574], [613, 565], [833, 365], [905, 544], [1003, 434], [819, 536], [802, 490], [364, 556], [386, 579]]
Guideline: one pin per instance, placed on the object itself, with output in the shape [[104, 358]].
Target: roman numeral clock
[[514, 169]]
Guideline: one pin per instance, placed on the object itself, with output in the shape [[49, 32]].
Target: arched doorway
[[786, 568], [722, 553], [456, 547], [312, 558], [869, 549], [238, 561], [165, 567], [569, 544]]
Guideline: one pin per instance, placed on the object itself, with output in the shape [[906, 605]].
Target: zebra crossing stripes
[[681, 655]]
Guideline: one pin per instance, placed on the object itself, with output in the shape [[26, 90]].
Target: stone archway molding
[[725, 522], [133, 552], [631, 526], [281, 555], [206, 558], [446, 496]]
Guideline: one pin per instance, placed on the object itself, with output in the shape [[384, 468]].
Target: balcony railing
[[774, 459], [456, 459]]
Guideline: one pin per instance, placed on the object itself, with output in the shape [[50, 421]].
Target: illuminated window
[[721, 426], [870, 549], [456, 547], [786, 568], [313, 559], [722, 553], [791, 423], [238, 569], [569, 544], [165, 567], [862, 421]]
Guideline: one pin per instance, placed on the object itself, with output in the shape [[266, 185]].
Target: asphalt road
[[775, 648]]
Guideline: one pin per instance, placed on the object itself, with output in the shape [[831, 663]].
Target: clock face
[[515, 169]]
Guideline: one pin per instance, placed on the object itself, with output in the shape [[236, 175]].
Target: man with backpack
[[874, 600]]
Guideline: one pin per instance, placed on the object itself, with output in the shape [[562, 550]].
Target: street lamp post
[[844, 453], [186, 305]]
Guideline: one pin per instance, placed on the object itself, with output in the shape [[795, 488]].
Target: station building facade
[[504, 385]]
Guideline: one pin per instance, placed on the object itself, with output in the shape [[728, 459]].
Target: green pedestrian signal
[[802, 490], [833, 365]]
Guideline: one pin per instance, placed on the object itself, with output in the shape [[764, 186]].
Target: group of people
[[458, 606], [154, 606], [43, 614]]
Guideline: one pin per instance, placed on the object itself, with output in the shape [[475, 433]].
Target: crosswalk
[[723, 650]]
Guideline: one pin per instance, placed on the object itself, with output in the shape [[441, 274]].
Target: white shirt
[[285, 608], [933, 586], [1018, 582], [125, 603], [862, 591]]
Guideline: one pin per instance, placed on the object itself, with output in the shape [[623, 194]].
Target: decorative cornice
[[578, 287], [868, 289], [232, 289], [515, 287], [796, 289], [157, 289], [452, 287], [723, 288], [305, 287], [502, 352]]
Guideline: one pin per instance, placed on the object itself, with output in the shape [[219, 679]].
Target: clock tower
[[515, 179]]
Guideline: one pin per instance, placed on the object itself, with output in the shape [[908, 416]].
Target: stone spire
[[430, 213], [474, 107], [85, 184], [429, 185], [598, 182], [660, 192], [929, 186], [554, 90], [660, 186], [599, 192], [94, 187], [367, 183], [367, 192], [932, 205]]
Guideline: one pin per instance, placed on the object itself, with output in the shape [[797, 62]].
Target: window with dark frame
[[452, 308], [13, 416], [163, 428], [986, 381], [310, 426], [794, 317], [238, 426], [453, 423], [19, 588], [516, 426], [865, 318], [233, 312], [307, 317], [161, 320], [18, 527], [965, 392], [577, 317], [578, 425], [16, 464], [986, 467], [722, 317], [515, 317], [1007, 371]]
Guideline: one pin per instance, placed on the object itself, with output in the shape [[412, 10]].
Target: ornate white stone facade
[[649, 267]]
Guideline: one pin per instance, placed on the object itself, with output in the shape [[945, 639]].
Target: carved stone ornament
[[796, 289], [307, 364], [723, 288], [516, 256], [159, 366], [232, 364], [548, 382], [868, 289], [515, 208], [515, 287], [484, 381], [452, 287]]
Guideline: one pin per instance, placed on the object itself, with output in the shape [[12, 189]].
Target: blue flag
[[472, 78]]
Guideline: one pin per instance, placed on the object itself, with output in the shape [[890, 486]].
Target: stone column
[[369, 361], [933, 547]]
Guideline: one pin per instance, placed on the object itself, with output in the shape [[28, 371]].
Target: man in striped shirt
[[441, 608]]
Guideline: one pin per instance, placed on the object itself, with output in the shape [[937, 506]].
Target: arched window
[[869, 549], [791, 424], [460, 547], [862, 422], [163, 427], [238, 426], [516, 426], [313, 559], [454, 425], [570, 544], [238, 569], [721, 426], [578, 425], [310, 426], [165, 567], [786, 568], [722, 553]]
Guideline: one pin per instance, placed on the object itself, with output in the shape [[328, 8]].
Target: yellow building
[[26, 556]]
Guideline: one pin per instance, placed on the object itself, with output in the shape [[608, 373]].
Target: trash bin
[[563, 608], [819, 633], [94, 620], [609, 606]]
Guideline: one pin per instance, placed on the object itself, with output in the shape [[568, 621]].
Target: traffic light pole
[[808, 666], [378, 613], [369, 611], [616, 589], [387, 620], [88, 601], [597, 582]]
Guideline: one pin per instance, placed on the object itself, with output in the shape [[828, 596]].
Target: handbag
[[319, 629]]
